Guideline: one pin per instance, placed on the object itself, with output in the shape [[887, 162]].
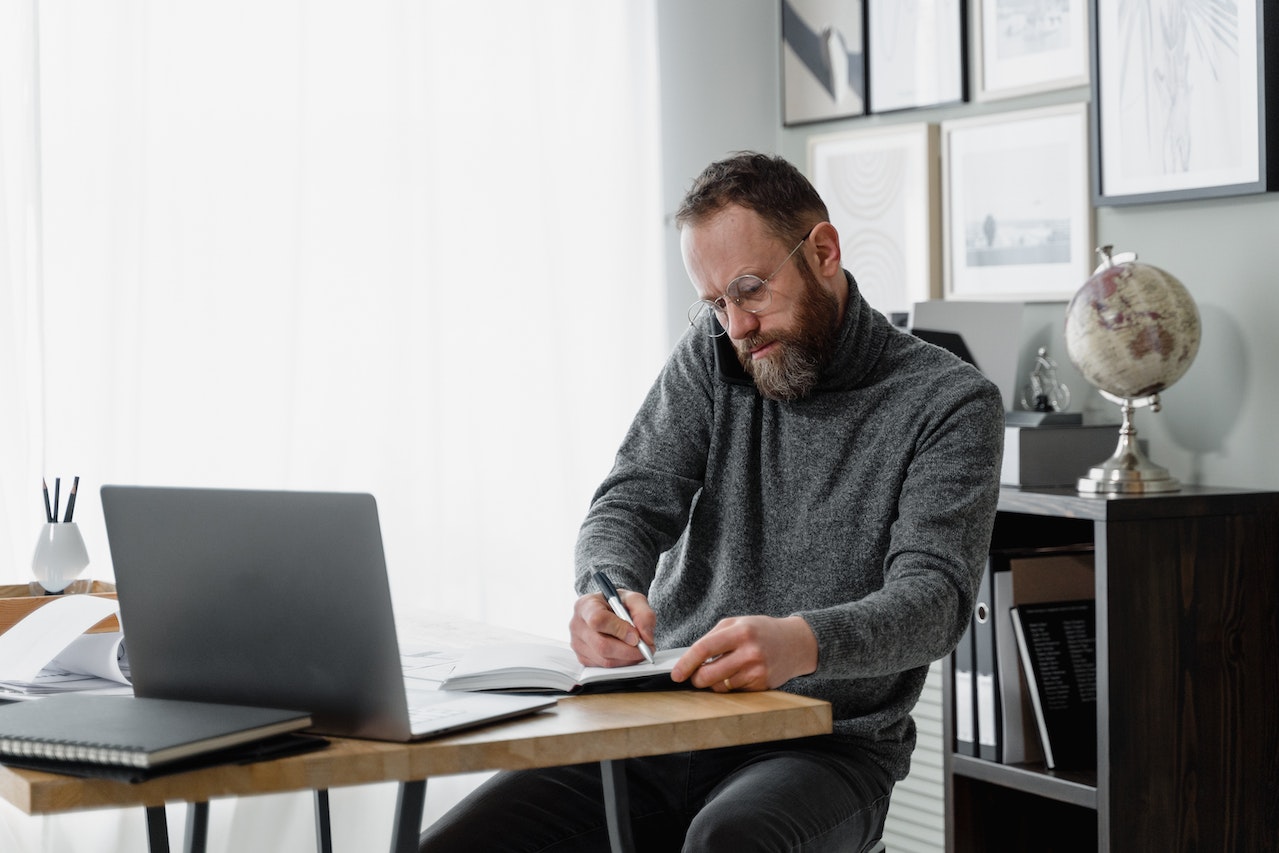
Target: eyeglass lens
[[748, 292]]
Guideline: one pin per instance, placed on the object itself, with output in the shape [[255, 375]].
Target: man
[[805, 499]]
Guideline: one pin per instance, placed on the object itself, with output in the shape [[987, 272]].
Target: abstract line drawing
[[880, 188], [1179, 102], [1166, 43], [915, 53]]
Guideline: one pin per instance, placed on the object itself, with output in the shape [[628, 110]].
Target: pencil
[[48, 512], [71, 500], [57, 488]]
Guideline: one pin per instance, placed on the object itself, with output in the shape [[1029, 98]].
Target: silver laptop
[[278, 599]]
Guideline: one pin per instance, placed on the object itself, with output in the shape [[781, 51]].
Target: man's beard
[[791, 371]]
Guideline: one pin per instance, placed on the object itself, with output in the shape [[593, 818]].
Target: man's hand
[[749, 653], [601, 638]]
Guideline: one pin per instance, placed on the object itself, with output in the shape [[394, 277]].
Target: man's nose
[[741, 323]]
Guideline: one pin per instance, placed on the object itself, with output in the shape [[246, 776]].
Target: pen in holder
[[60, 555]]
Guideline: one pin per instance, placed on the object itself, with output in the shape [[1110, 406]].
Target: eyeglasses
[[748, 292]]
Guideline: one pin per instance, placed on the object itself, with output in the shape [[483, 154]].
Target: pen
[[71, 501], [48, 511], [615, 602], [57, 488]]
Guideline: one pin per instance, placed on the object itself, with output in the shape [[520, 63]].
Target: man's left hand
[[749, 653]]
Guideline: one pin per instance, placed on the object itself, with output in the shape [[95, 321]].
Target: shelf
[[1076, 787], [1069, 504], [1187, 588]]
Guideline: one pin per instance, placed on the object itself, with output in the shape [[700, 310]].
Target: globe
[[1132, 330]]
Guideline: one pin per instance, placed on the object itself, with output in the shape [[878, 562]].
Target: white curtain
[[399, 246]]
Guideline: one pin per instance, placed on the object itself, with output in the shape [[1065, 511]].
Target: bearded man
[[805, 499]]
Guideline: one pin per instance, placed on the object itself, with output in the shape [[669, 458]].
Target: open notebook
[[275, 599]]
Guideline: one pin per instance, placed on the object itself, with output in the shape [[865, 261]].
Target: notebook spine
[[61, 750]]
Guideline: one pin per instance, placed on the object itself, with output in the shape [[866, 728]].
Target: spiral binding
[[62, 750]]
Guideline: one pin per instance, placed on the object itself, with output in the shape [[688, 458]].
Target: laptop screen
[[259, 598]]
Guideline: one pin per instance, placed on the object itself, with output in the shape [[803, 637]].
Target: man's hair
[[772, 187]]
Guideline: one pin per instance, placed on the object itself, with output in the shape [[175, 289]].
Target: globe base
[[1128, 471]]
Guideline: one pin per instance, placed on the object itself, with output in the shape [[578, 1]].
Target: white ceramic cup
[[60, 555]]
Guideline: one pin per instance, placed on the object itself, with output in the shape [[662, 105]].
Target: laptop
[[278, 599]]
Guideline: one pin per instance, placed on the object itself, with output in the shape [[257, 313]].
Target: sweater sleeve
[[641, 508], [938, 544]]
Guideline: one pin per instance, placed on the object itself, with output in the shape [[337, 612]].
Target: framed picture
[[1028, 46], [882, 189], [916, 54], [1180, 101], [823, 60], [1018, 220]]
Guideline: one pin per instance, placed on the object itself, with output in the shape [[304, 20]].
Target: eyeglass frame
[[720, 304]]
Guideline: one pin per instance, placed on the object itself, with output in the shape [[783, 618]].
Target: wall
[[720, 89], [720, 93]]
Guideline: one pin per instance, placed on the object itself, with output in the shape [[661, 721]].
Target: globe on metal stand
[[1132, 330]]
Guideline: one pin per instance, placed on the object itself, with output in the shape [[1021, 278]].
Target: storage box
[[17, 601], [1054, 455]]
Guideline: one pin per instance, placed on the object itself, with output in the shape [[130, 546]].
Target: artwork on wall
[[1028, 46], [823, 60], [881, 188], [1018, 220], [916, 54], [1180, 101]]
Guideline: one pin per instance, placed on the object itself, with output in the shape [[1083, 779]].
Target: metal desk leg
[[323, 830], [197, 832], [157, 830], [616, 806], [408, 817]]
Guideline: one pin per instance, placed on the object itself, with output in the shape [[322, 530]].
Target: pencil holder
[[60, 556]]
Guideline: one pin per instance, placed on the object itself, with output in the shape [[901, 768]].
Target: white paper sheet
[[32, 643]]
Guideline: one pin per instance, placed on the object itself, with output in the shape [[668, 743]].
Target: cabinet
[[1187, 589]]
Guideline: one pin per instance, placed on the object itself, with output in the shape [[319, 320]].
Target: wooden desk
[[600, 728]]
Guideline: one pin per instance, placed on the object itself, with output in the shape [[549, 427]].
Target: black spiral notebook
[[131, 731]]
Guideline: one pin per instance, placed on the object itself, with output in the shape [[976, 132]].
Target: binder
[[988, 722], [965, 695]]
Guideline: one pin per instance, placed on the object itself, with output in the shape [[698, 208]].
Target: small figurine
[[1044, 393]]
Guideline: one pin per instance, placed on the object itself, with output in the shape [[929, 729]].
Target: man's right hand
[[602, 638]]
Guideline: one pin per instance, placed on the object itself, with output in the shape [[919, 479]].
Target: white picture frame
[[1017, 211], [916, 53], [1023, 47], [882, 191]]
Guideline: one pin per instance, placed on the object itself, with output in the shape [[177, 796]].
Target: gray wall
[[720, 92]]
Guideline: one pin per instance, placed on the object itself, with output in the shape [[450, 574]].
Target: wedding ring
[[728, 685]]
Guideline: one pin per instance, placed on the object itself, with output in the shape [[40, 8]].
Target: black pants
[[812, 794]]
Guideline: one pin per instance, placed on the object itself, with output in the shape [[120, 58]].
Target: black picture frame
[[900, 42], [823, 60], [1200, 98]]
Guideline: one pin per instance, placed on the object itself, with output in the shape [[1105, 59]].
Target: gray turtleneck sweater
[[866, 508]]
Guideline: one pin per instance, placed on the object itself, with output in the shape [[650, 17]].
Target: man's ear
[[825, 241]]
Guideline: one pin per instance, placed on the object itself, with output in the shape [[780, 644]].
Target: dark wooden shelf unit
[[1187, 589]]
